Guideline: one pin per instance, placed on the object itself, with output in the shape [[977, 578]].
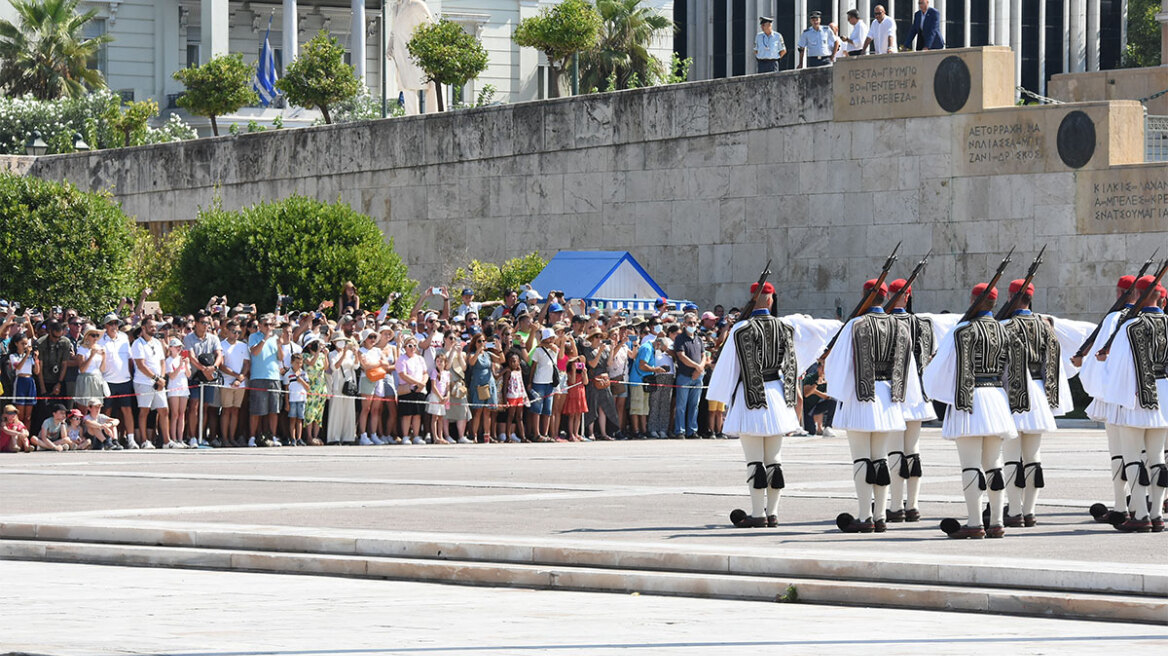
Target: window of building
[[541, 80], [92, 30], [194, 51]]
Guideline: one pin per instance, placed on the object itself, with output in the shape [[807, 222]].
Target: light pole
[[35, 146]]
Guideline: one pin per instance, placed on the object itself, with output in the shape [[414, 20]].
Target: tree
[[298, 246], [629, 29], [45, 55], [1143, 34], [319, 77], [490, 281], [447, 54], [219, 87], [560, 32], [62, 246], [132, 121]]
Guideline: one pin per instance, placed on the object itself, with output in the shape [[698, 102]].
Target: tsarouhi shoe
[[740, 519], [1135, 526], [1013, 521], [954, 529], [849, 524], [773, 521], [894, 516], [995, 531], [1099, 512]]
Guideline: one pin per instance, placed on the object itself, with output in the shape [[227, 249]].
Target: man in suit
[[926, 28]]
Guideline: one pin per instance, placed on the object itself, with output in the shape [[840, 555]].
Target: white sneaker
[[365, 441], [251, 442], [170, 445], [147, 444], [463, 440], [376, 440], [829, 432], [193, 444], [419, 440], [405, 440], [275, 441], [130, 443], [515, 438]]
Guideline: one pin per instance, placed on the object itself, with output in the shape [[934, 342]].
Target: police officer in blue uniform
[[818, 42], [768, 46]]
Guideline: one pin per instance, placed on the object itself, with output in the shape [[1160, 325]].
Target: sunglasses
[[9, 413]]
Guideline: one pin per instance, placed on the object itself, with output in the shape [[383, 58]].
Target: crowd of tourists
[[528, 368]]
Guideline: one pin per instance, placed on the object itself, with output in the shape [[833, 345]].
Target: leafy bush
[[298, 246], [59, 121], [62, 246], [155, 265], [490, 281]]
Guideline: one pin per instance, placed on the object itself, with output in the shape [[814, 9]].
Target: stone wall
[[704, 182]]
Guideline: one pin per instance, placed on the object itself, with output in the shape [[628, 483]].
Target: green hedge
[[298, 246], [61, 246]]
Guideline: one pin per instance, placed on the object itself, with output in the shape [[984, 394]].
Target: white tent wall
[[625, 282]]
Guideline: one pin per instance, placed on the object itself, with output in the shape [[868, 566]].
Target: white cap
[[546, 333], [366, 334]]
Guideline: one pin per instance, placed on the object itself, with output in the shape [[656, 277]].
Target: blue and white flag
[[265, 78]]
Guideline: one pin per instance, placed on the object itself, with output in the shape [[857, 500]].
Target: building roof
[[582, 274]]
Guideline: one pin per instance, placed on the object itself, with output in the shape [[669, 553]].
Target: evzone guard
[[969, 374], [872, 373], [757, 377], [1135, 382]]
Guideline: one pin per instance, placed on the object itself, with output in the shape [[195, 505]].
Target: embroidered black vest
[[880, 351], [1148, 333], [984, 352], [923, 343], [1040, 350], [766, 351]]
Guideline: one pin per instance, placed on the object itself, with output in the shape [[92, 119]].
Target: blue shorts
[[296, 409], [542, 404], [25, 392]]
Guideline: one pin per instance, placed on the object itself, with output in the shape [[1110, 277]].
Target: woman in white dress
[[342, 417]]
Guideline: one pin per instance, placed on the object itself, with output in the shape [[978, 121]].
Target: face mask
[[690, 330], [657, 330]]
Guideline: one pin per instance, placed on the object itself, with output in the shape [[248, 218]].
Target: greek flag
[[265, 78]]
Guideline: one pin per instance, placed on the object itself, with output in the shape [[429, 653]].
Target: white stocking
[[1115, 448], [860, 443], [752, 449], [1133, 446], [912, 447], [1154, 441], [895, 457], [969, 454], [879, 448], [772, 455], [991, 459], [1032, 460]]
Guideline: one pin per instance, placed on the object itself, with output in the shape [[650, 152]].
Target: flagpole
[[384, 76]]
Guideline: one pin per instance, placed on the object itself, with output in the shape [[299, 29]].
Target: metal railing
[[1155, 138]]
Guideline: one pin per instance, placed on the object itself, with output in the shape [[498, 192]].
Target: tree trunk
[[327, 119], [555, 74], [438, 97], [214, 127]]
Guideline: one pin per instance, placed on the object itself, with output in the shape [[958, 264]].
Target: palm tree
[[46, 55], [629, 29]]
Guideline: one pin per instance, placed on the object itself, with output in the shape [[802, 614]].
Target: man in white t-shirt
[[857, 36], [236, 361], [149, 356], [117, 374], [882, 32]]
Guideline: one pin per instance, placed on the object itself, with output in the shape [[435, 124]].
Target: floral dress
[[317, 391]]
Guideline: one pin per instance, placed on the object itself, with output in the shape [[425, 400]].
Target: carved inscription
[[1000, 143], [882, 85], [1123, 200]]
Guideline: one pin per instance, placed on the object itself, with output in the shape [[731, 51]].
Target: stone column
[[940, 5], [1067, 50], [1163, 18], [291, 33], [966, 31], [992, 23], [1042, 48], [214, 19], [800, 25], [1092, 35], [357, 39], [1016, 42], [1078, 36], [1003, 30], [166, 51]]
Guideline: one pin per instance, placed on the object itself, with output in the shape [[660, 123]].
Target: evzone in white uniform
[[872, 373], [1135, 382], [1091, 376], [757, 377], [1045, 342], [968, 373], [904, 453]]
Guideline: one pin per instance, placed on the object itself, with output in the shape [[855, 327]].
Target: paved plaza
[[663, 495]]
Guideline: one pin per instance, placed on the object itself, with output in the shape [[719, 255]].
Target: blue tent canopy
[[609, 277]]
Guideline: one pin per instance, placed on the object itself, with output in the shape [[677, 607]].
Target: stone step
[[1094, 578], [562, 577]]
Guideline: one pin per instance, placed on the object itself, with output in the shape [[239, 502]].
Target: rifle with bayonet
[[907, 283], [744, 313], [866, 301], [1143, 299], [1115, 307], [1016, 298], [977, 302]]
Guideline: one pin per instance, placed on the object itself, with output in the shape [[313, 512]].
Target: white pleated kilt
[[775, 419], [1097, 410], [1138, 417], [991, 416], [881, 415], [922, 411], [1039, 419]]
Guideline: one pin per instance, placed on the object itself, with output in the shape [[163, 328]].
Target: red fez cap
[[1145, 282], [897, 285], [1015, 285], [767, 288], [981, 287], [869, 284], [1126, 282], [1161, 290]]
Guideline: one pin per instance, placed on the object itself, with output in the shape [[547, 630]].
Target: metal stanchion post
[[202, 409]]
